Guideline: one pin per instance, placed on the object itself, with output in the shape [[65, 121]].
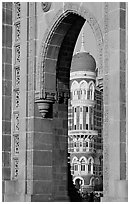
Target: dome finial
[[82, 42]]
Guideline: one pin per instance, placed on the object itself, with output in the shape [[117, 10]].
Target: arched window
[[74, 90], [91, 91], [90, 165], [83, 164], [75, 164], [78, 181], [83, 89], [92, 181]]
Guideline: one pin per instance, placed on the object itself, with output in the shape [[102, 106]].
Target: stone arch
[[83, 89], [52, 86], [74, 85], [91, 158], [74, 89], [84, 158], [74, 159], [52, 48], [91, 88]]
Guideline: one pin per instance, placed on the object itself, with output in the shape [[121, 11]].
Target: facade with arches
[[37, 44]]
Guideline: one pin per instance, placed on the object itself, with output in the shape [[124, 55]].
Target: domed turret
[[83, 61]]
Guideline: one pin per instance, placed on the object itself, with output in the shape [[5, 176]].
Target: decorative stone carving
[[16, 161], [45, 105], [17, 30], [17, 53], [17, 10], [16, 122], [17, 99], [16, 93], [17, 76], [16, 144], [46, 6]]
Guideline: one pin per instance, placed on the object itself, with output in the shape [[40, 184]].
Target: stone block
[[57, 39], [9, 5], [3, 16], [3, 187], [122, 87], [122, 93], [123, 152], [65, 123], [3, 4], [3, 107], [122, 111], [7, 111], [42, 125], [44, 137], [63, 107], [8, 30], [3, 54], [122, 60], [50, 81], [8, 72], [41, 198], [122, 19], [3, 71], [123, 5], [9, 17], [6, 159], [123, 39], [8, 55], [7, 87], [42, 141], [59, 157], [42, 158], [122, 131], [123, 170], [53, 52], [42, 173], [63, 28], [42, 186], [50, 65], [6, 127], [6, 142], [6, 173], [3, 33]]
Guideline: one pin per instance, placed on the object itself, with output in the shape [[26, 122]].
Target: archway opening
[[56, 62], [78, 183]]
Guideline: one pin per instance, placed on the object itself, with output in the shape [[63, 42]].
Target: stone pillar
[[6, 92], [114, 158], [15, 188]]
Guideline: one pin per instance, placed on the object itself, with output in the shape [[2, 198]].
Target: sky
[[89, 41]]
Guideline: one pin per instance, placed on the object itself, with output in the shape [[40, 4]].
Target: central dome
[[83, 61]]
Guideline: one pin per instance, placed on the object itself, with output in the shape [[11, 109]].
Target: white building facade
[[85, 158]]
